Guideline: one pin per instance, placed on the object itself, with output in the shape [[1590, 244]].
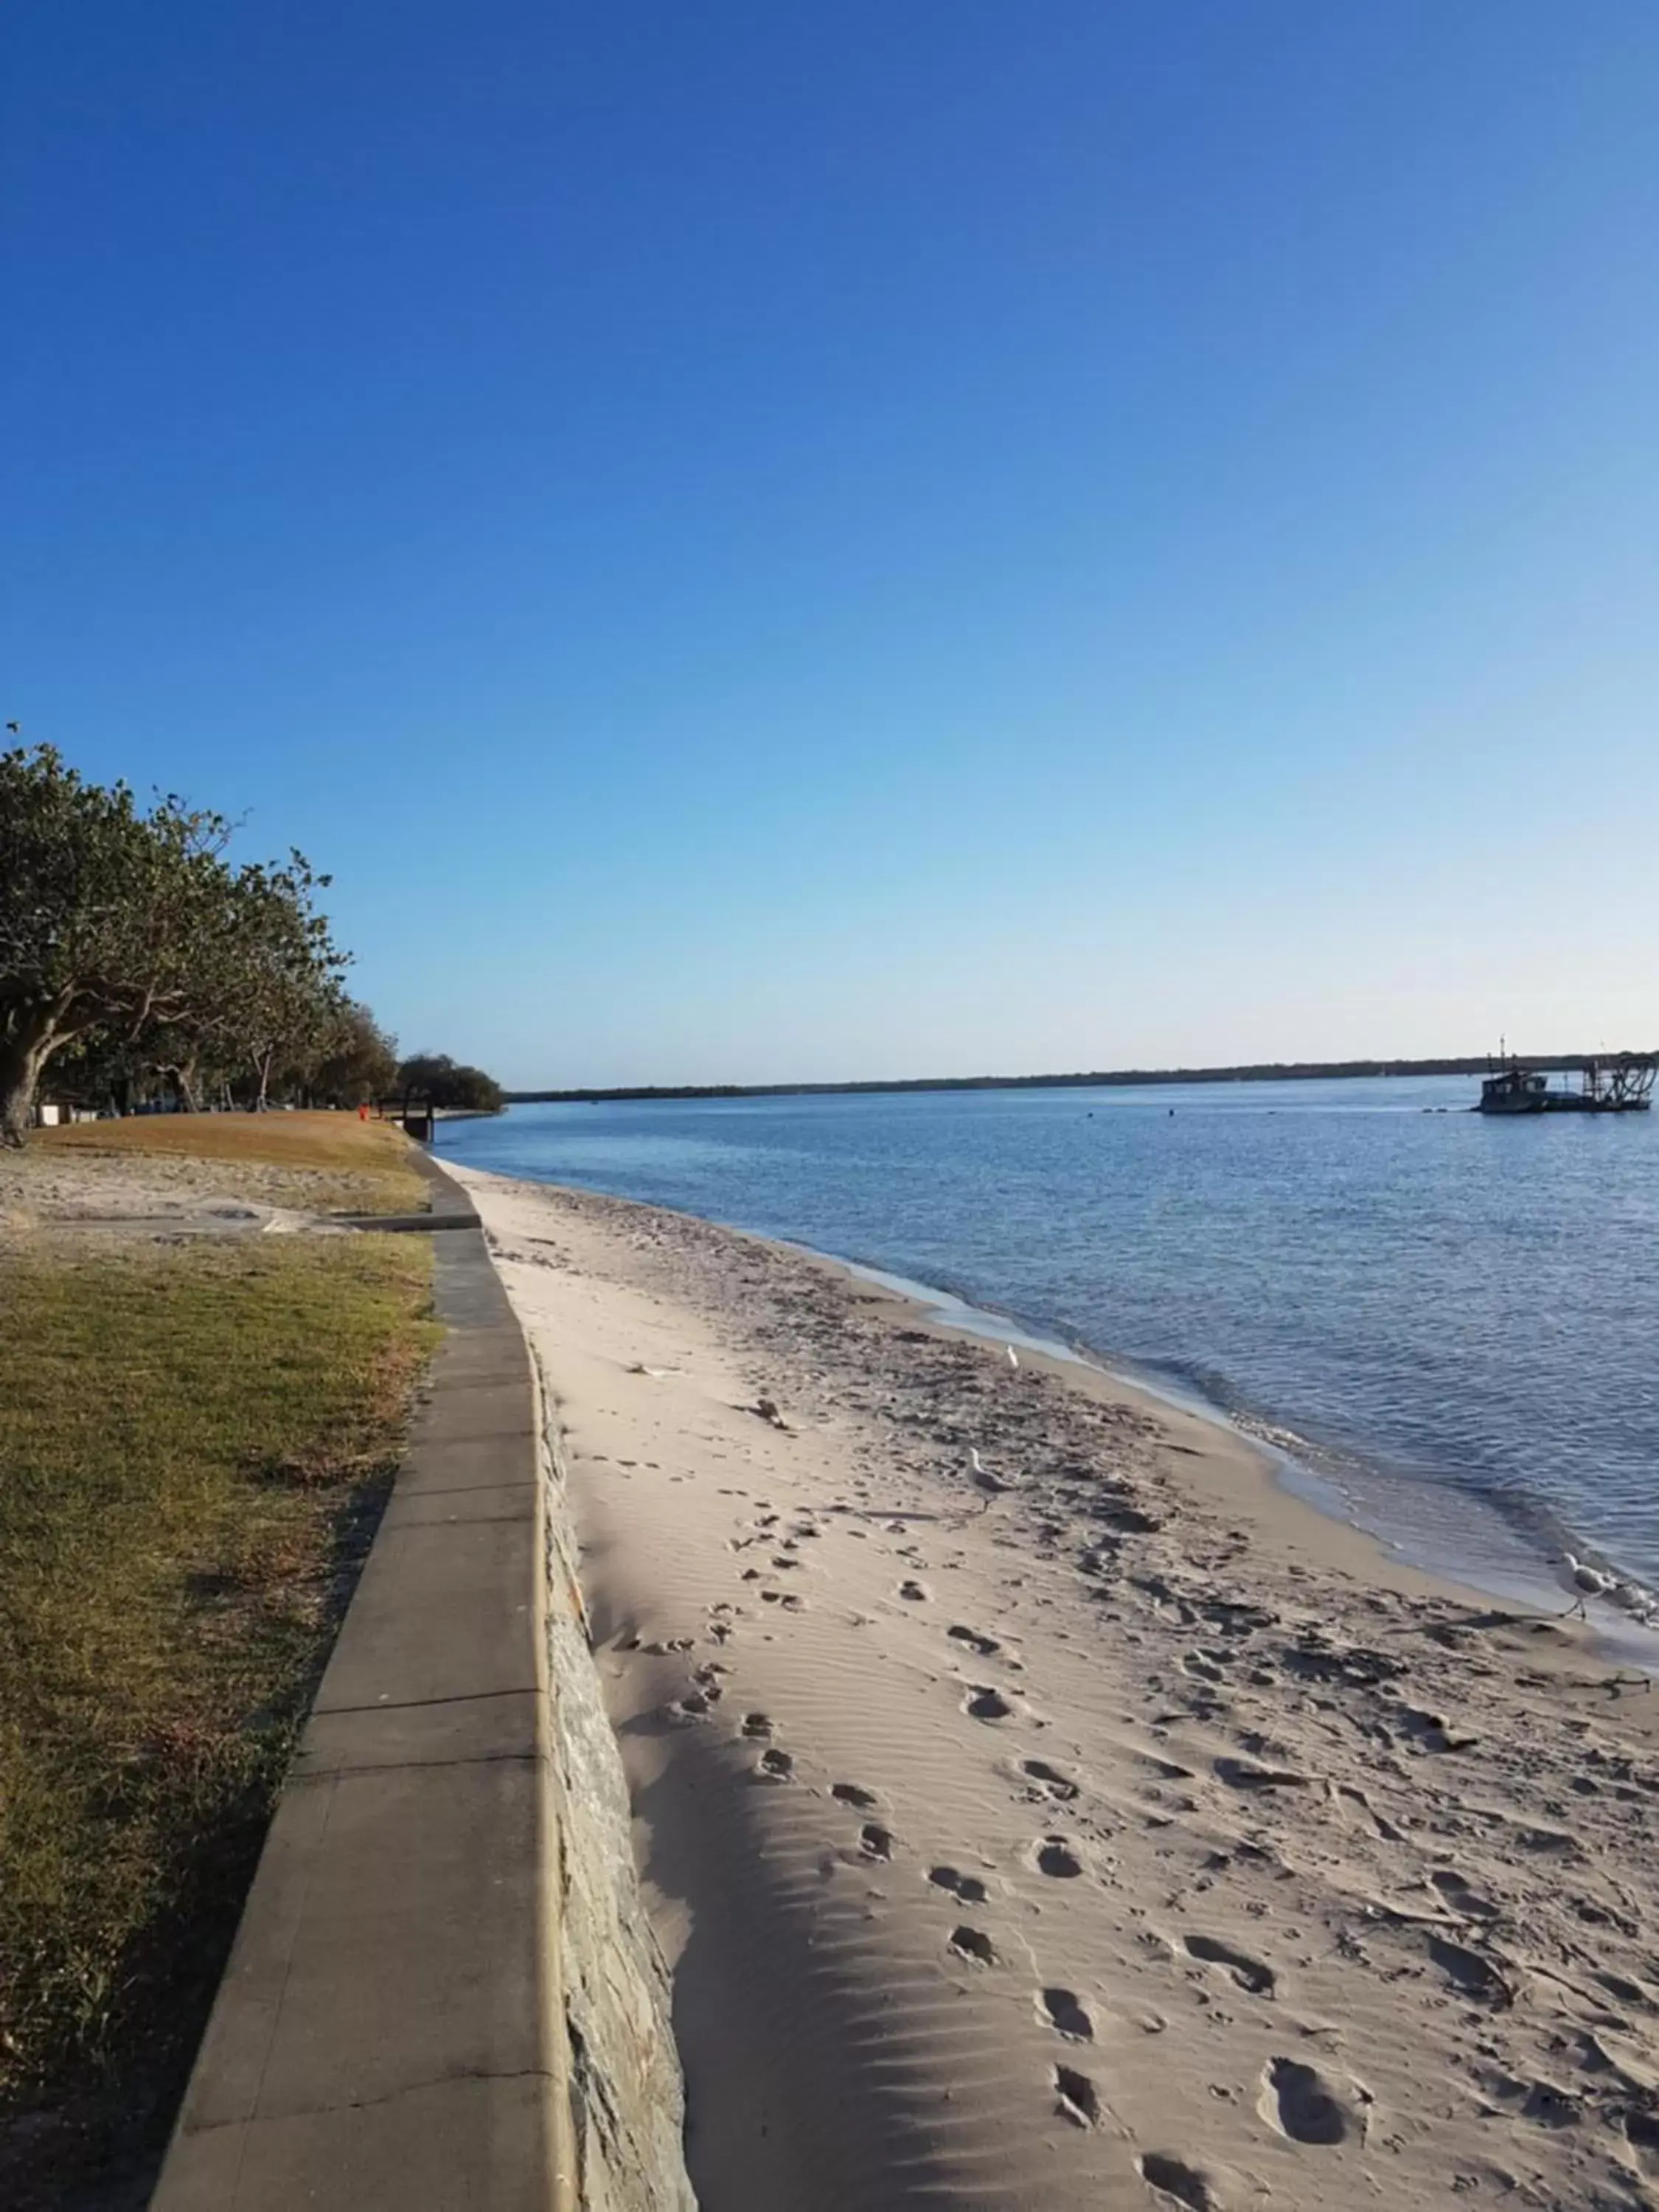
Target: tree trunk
[[23, 1054]]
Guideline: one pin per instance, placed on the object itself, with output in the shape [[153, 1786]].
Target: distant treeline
[[1277, 1071]]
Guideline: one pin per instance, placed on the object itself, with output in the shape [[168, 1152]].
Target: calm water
[[1452, 1321]]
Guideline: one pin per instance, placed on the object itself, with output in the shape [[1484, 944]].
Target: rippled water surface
[[1456, 1318]]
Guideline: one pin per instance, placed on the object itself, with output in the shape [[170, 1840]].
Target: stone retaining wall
[[625, 2089], [443, 1991]]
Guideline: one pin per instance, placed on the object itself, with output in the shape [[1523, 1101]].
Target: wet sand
[[1094, 1824]]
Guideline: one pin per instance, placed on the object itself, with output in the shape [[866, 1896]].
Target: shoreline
[[1423, 1418], [1461, 1538], [952, 1315], [1293, 1463], [1117, 1826], [1078, 1367], [1295, 1477]]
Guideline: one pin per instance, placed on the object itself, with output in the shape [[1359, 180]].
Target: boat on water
[[1622, 1083]]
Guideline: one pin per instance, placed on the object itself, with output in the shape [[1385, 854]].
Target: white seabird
[[993, 1485], [1587, 1582]]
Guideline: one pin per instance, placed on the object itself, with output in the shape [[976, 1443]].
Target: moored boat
[[1622, 1083]]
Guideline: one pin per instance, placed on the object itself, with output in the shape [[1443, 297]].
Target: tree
[[129, 931], [360, 1063], [96, 1070], [97, 906], [438, 1080], [286, 1002]]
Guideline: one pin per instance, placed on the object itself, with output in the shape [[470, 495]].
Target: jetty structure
[[1619, 1082]]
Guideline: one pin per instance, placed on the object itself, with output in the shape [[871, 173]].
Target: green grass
[[195, 1443], [334, 1160]]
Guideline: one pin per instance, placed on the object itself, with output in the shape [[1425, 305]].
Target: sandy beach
[[1039, 1807]]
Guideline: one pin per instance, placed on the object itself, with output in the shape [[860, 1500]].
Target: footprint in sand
[[969, 1943], [1460, 1897], [1057, 1859], [1246, 1774], [1642, 2133], [984, 1647], [1250, 1973], [695, 1704], [1301, 2104], [1173, 2179], [1627, 1992], [875, 1841], [966, 1888], [1470, 1974], [1384, 1827], [985, 1703], [1432, 1732], [1059, 1786], [775, 1766], [918, 1593], [854, 1793], [1166, 1770], [757, 1725], [1079, 2100], [1065, 2012]]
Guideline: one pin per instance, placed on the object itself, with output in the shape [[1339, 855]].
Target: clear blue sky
[[769, 540]]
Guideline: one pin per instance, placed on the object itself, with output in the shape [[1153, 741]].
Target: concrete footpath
[[442, 1993]]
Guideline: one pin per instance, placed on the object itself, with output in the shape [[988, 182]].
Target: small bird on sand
[[1630, 1597], [1587, 1582], [994, 1485]]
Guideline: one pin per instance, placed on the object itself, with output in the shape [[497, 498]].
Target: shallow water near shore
[[1445, 1322]]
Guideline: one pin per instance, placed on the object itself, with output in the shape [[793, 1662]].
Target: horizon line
[[1239, 1071]]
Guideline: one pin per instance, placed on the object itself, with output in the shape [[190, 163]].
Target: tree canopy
[[360, 1061], [436, 1079], [134, 953]]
